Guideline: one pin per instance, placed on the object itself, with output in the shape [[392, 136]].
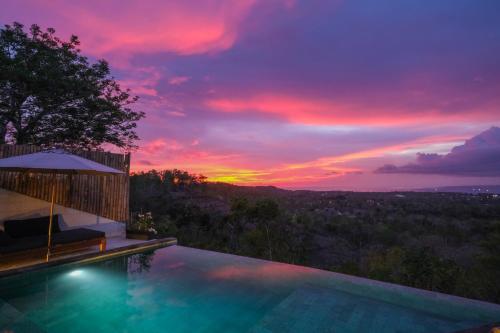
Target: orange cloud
[[235, 175]]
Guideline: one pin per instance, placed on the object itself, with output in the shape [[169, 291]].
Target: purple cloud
[[479, 157], [146, 163]]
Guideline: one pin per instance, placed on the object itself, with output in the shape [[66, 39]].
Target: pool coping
[[93, 256]]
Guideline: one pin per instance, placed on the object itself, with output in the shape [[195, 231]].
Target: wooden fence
[[106, 196]]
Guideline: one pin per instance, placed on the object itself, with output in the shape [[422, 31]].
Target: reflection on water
[[140, 263], [266, 270]]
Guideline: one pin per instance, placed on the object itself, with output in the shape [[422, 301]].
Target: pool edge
[[94, 256], [400, 290]]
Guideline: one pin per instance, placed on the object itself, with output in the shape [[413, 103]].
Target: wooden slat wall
[[106, 196]]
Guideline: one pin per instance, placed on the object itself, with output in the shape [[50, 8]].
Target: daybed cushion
[[75, 235], [38, 226], [27, 243], [5, 239], [39, 242]]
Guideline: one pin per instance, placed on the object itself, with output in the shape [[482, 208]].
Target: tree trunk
[[20, 136], [269, 243], [3, 133]]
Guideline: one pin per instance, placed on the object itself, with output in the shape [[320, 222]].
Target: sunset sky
[[313, 94]]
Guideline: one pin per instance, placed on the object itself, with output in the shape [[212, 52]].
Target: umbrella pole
[[49, 240]]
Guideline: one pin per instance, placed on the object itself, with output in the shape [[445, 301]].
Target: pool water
[[179, 289]]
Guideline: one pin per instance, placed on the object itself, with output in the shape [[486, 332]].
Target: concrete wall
[[18, 206]]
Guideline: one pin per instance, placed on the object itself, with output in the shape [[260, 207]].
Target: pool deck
[[115, 246]]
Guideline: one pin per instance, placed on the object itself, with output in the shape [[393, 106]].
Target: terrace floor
[[114, 246]]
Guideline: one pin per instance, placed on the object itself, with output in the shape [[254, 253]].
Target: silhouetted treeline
[[445, 242]]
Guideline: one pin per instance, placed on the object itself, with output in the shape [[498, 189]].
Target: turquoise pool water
[[179, 289]]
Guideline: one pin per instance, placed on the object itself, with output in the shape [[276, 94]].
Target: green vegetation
[[445, 242], [50, 95]]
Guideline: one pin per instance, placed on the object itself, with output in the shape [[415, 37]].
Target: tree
[[51, 95], [421, 268], [265, 212]]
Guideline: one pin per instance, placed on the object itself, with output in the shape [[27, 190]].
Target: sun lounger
[[28, 238]]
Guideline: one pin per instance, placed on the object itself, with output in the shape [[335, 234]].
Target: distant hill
[[474, 189], [236, 190]]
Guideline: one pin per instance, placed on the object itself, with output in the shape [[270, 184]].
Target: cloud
[[177, 27], [176, 113], [145, 163], [294, 109], [313, 110], [160, 146], [478, 156], [176, 80], [142, 81], [182, 27]]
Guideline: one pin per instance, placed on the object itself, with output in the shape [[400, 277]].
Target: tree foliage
[[51, 95]]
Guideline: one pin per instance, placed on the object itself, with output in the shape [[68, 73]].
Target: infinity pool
[[179, 289]]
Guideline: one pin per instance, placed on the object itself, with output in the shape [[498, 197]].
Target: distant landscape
[[439, 241], [477, 189]]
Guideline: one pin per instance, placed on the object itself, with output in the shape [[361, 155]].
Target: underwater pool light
[[75, 273]]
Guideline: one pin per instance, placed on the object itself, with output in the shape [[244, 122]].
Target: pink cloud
[[317, 111], [182, 27], [145, 163], [160, 145], [177, 80], [176, 113], [142, 81], [163, 153]]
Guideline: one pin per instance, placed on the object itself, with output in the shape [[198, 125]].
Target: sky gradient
[[357, 95]]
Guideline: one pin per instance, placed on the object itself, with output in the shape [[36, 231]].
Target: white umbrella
[[55, 162]]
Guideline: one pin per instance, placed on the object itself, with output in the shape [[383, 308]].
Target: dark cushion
[[28, 243], [75, 235], [38, 226], [5, 239]]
